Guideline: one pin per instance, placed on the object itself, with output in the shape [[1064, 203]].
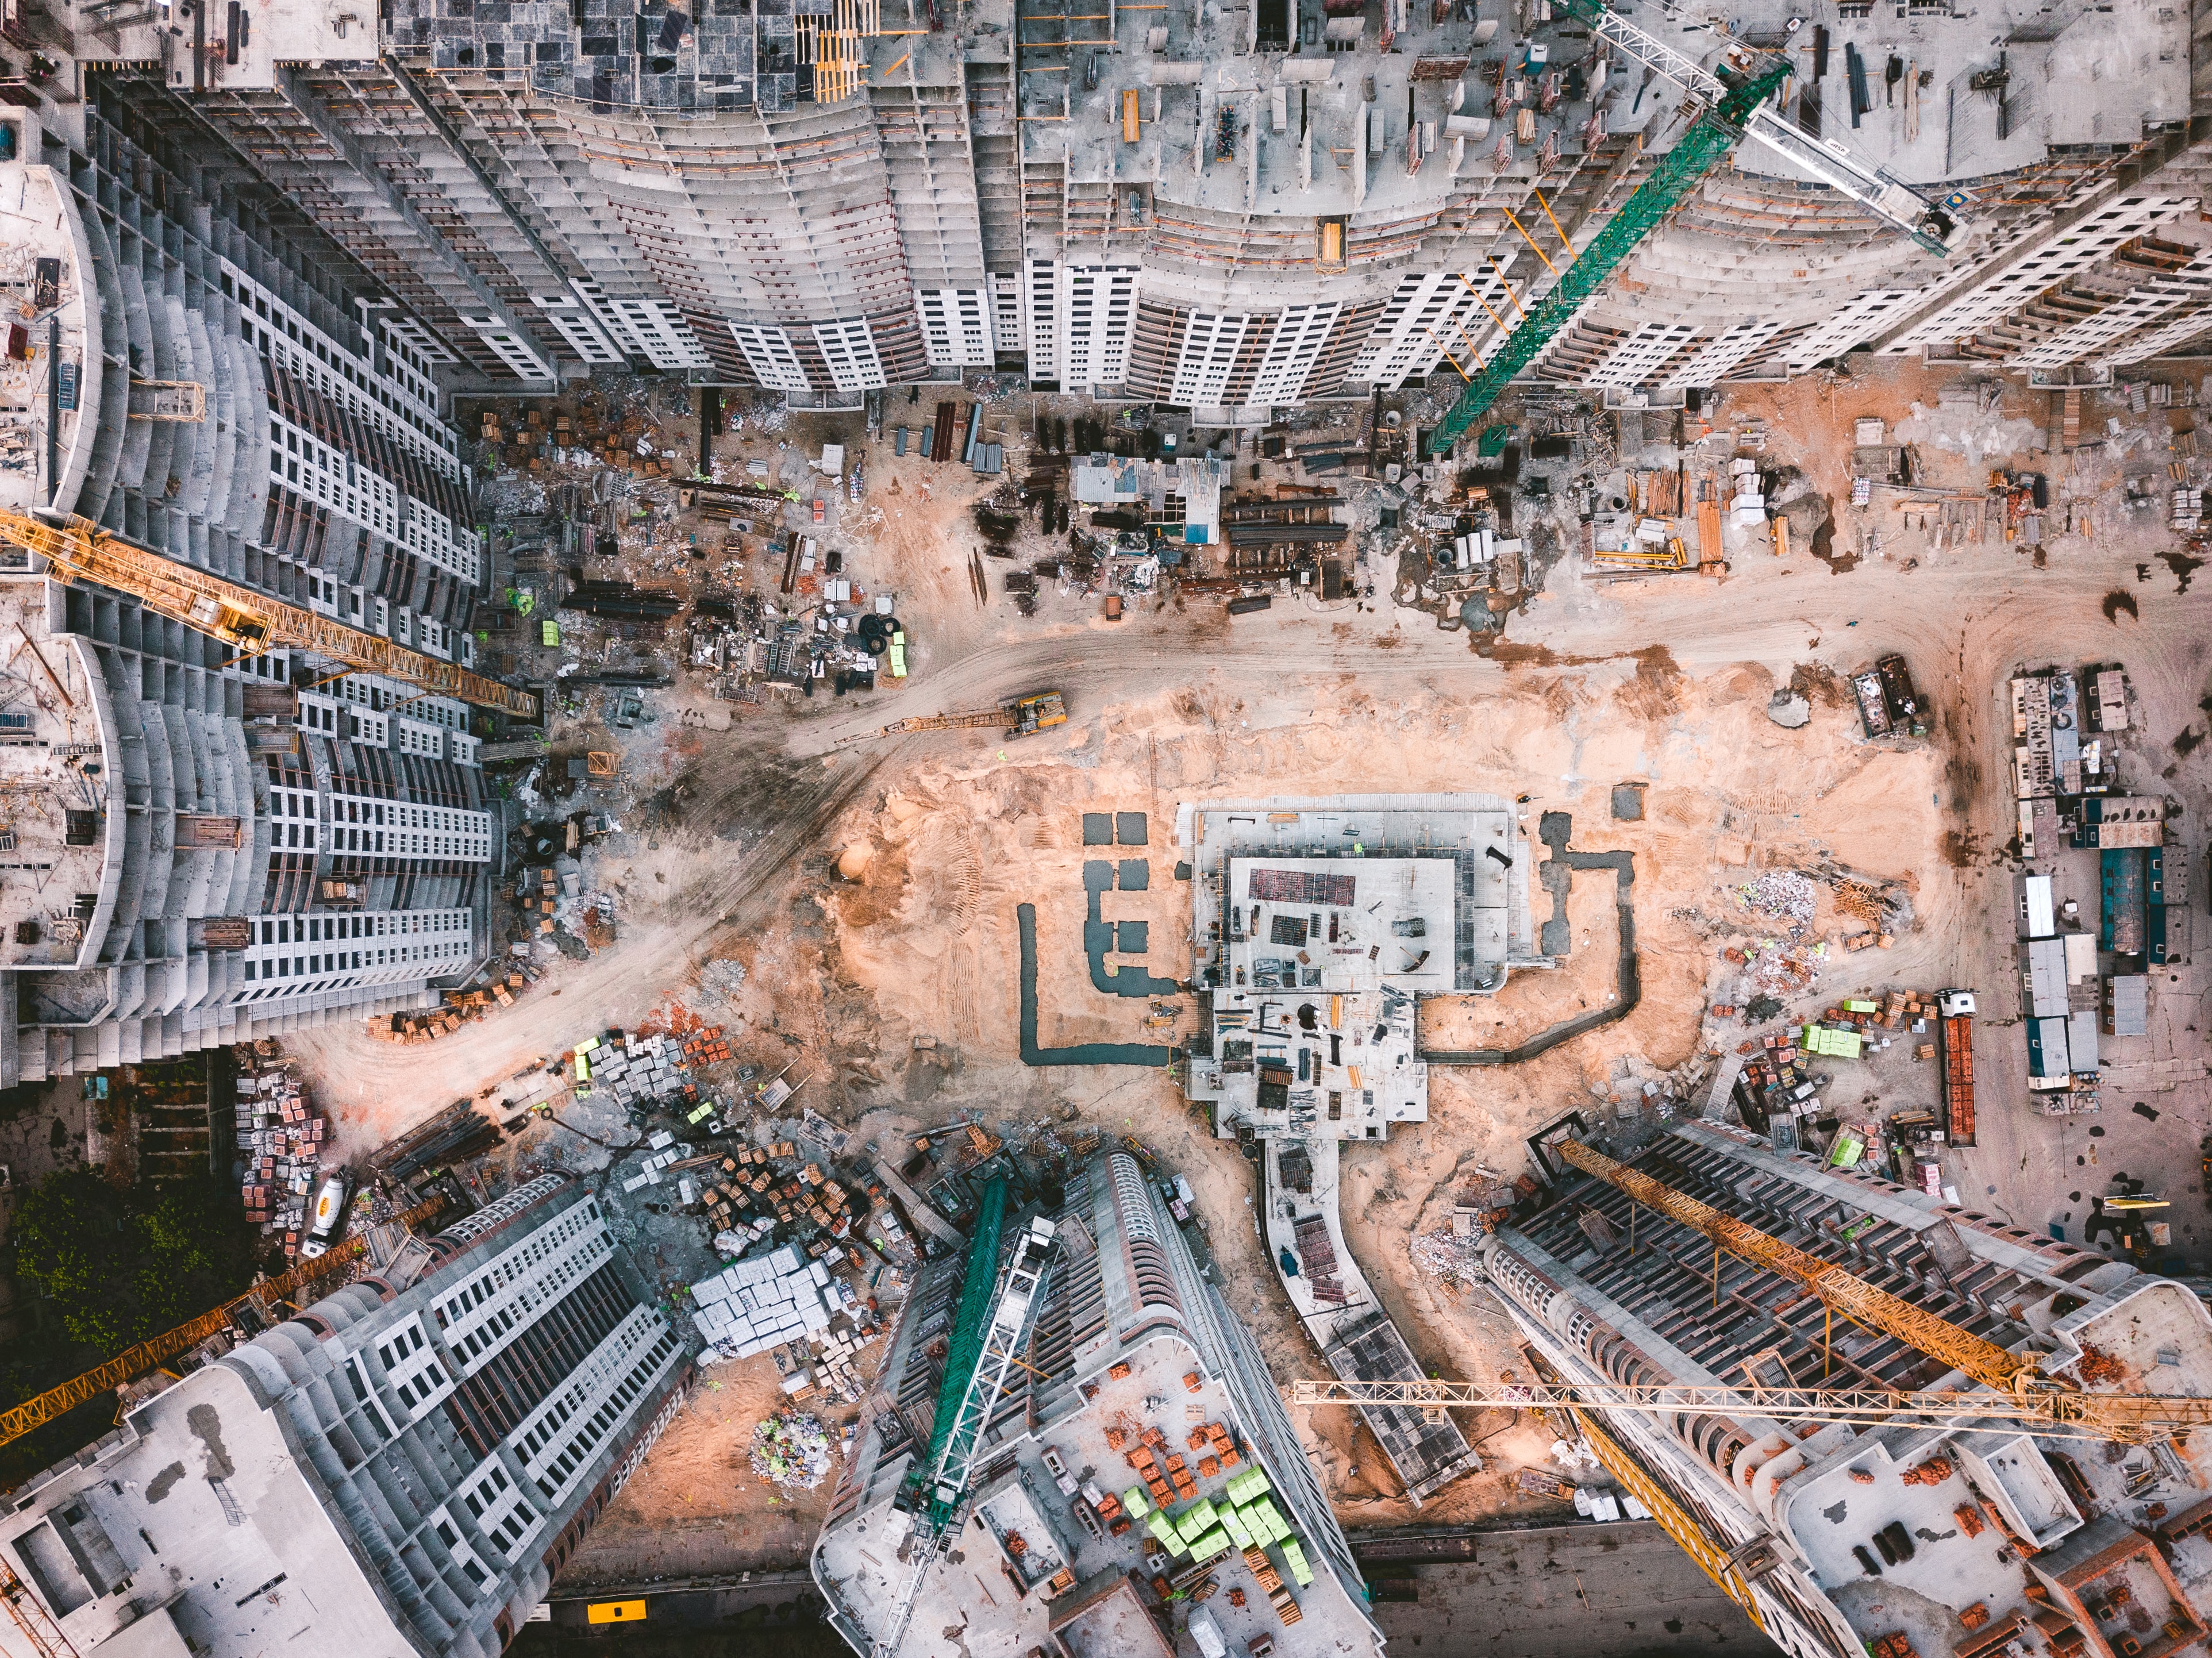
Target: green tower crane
[[1735, 108]]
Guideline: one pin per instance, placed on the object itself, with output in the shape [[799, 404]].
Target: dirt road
[[373, 1091], [1663, 680]]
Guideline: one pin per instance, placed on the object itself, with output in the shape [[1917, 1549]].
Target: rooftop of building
[[1904, 1527], [192, 1529], [1305, 1233], [52, 304], [270, 39], [61, 829], [309, 1481], [972, 1601], [1318, 925], [1279, 110]]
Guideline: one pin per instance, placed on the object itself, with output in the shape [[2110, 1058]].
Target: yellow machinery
[[2018, 1391], [30, 1617], [2052, 1413], [1024, 717], [2012, 1391], [252, 1308], [80, 550]]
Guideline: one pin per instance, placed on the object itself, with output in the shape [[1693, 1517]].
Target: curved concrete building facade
[[398, 1471], [1228, 210]]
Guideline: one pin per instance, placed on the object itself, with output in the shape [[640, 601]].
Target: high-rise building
[[1136, 1380], [399, 1470], [1225, 209], [249, 844], [1837, 1538]]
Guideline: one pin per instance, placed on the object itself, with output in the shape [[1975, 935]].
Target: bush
[[120, 1266]]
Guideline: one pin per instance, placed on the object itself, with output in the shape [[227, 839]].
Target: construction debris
[[791, 1451]]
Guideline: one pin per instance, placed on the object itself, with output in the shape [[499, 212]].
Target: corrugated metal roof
[[2046, 978], [2131, 1005], [2081, 1041]]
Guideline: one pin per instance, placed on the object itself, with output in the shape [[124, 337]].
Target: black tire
[[872, 626], [875, 644]]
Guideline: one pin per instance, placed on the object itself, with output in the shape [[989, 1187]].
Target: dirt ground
[[695, 1507], [870, 887]]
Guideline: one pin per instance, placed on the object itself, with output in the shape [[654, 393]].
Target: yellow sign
[[615, 1611]]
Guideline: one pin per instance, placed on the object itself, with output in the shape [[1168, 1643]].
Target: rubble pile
[[722, 981], [1781, 895], [791, 1451], [1454, 1258]]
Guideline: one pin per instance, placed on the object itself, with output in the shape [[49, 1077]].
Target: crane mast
[[1731, 112], [990, 1327], [76, 550]]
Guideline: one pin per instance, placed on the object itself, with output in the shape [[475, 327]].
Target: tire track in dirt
[[373, 1091]]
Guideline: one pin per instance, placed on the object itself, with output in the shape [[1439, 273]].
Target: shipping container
[[1957, 1031]]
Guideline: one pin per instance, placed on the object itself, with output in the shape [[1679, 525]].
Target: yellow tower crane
[[2016, 1390], [253, 1307], [76, 550]]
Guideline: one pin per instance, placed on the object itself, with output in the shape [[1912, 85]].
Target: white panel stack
[[765, 1301]]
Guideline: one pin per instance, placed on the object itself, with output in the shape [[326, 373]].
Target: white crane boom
[[1937, 229]]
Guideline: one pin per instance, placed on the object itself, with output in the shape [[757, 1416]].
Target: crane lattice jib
[[1842, 1291], [2131, 1419], [971, 1321], [80, 550], [1014, 1302], [1695, 153], [151, 1353]]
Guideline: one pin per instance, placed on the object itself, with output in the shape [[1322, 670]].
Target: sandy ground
[[1662, 680], [695, 1507]]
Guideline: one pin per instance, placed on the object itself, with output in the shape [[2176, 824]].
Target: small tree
[[123, 1265], [74, 1243]]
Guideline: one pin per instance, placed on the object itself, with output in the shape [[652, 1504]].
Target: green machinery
[[970, 1324], [989, 1329], [1734, 110], [1695, 154]]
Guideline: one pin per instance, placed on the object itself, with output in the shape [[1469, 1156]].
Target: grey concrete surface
[[1613, 1591]]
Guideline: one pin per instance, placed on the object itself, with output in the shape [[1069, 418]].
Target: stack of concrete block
[[663, 1149], [763, 1302], [639, 1069]]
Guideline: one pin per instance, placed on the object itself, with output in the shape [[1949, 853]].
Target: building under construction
[[1224, 210], [1708, 1260], [1127, 1455], [1317, 928], [398, 1470], [210, 846]]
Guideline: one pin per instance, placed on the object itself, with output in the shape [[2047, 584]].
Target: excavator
[[76, 550], [1025, 716]]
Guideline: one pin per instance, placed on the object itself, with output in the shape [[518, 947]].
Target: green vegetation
[[120, 1265], [98, 1268]]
